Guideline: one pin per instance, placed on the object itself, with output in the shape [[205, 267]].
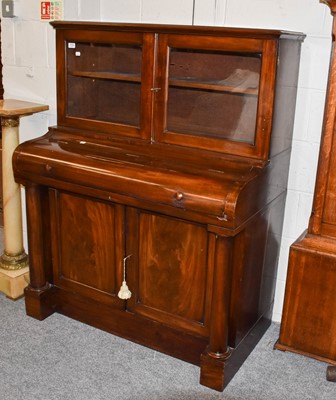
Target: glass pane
[[104, 100], [110, 77], [213, 94]]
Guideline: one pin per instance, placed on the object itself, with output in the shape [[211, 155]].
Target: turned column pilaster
[[217, 352]]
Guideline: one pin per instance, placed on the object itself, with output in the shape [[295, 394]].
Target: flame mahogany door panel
[[87, 246], [171, 270]]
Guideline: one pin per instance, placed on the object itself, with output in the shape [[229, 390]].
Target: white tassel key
[[124, 292]]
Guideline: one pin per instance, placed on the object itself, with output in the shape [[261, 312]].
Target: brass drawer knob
[[179, 195]]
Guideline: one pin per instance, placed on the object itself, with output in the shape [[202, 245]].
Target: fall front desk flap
[[210, 186]]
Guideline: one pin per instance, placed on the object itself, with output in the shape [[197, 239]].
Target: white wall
[[28, 55]]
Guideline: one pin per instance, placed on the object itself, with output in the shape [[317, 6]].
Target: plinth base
[[13, 283], [308, 325]]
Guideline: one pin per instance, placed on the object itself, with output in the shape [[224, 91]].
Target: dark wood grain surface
[[167, 169]]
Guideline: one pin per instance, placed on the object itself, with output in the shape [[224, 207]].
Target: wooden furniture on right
[[308, 324]]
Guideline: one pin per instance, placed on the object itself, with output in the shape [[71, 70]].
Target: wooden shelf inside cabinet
[[214, 86], [107, 75], [167, 169]]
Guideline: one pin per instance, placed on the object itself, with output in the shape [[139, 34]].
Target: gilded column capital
[[331, 4], [10, 122]]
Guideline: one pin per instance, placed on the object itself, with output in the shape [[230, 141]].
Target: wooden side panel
[[248, 263], [285, 100], [172, 274], [255, 260], [86, 245]]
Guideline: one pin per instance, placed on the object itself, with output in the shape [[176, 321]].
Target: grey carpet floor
[[62, 359]]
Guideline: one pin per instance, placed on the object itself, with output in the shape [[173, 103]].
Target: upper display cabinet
[[205, 88]]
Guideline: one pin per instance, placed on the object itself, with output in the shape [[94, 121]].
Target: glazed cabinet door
[[106, 81], [87, 246], [215, 93], [169, 271]]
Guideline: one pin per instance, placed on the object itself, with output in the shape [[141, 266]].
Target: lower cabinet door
[[87, 246], [169, 270]]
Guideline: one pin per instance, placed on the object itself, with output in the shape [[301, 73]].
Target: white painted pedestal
[[14, 272]]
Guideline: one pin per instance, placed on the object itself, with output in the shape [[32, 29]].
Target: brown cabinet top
[[181, 29]]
